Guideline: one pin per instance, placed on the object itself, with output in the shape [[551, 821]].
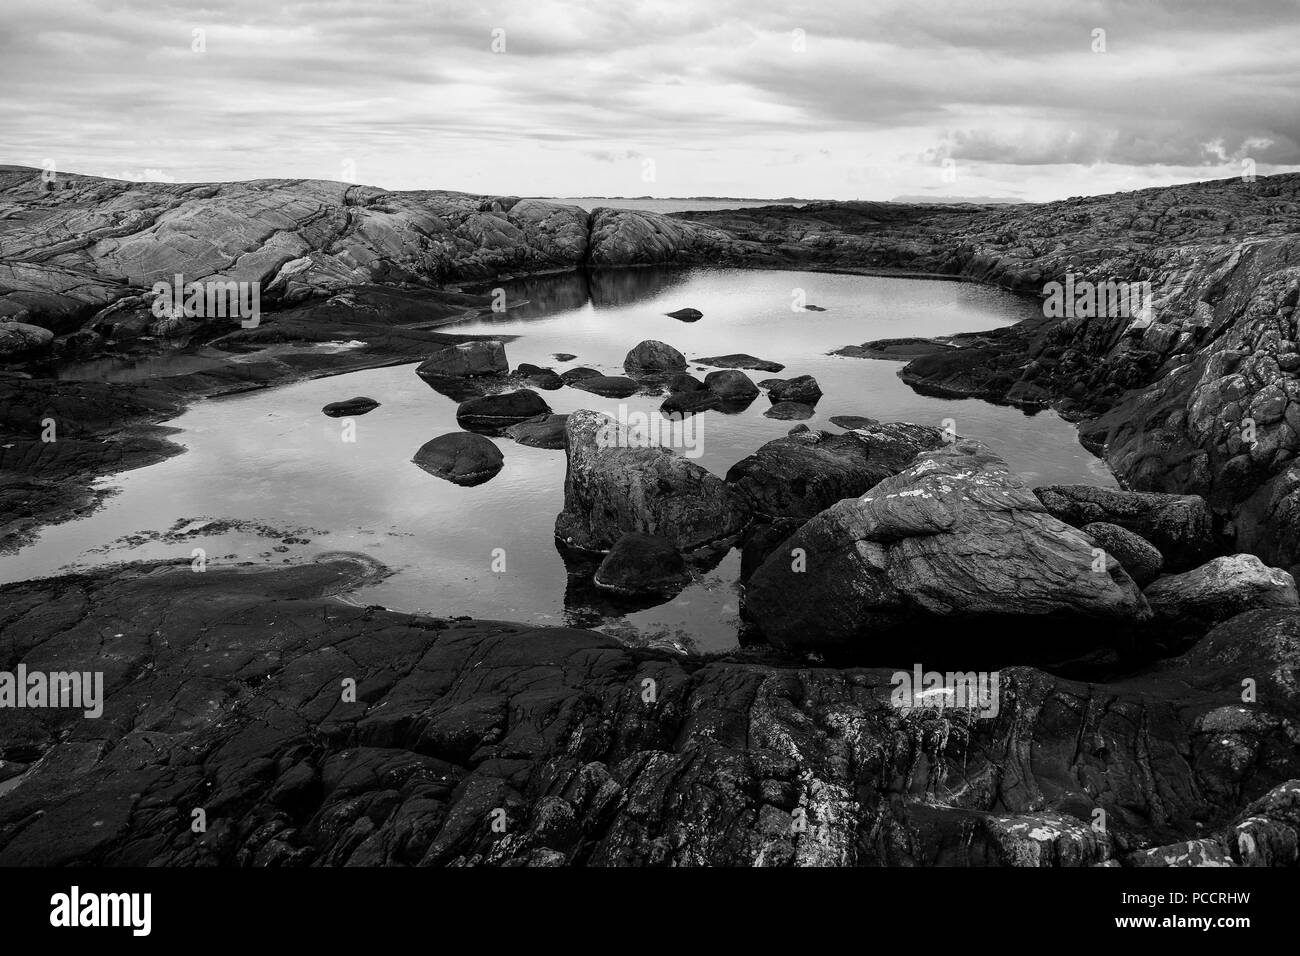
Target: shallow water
[[268, 478]]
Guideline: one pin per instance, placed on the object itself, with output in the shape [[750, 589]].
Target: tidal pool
[[267, 478]]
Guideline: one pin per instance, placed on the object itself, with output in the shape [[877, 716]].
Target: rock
[[543, 431], [493, 414], [1180, 526], [17, 338], [352, 406], [801, 475], [741, 360], [544, 378], [466, 360], [686, 315], [803, 389], [613, 487], [853, 421], [790, 411], [1135, 554], [1219, 590], [683, 382], [953, 541], [681, 404], [813, 308], [761, 539], [610, 386], [904, 349], [642, 564], [577, 374], [731, 385], [564, 356], [654, 357], [462, 458]]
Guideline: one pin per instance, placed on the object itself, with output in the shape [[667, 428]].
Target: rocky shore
[[304, 730]]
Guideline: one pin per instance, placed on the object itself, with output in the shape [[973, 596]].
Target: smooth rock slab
[[954, 538], [462, 458], [731, 385], [790, 411], [466, 360], [1219, 590], [741, 360], [352, 406]]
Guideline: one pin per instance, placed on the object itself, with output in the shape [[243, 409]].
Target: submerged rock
[[790, 411], [352, 406], [680, 404], [466, 360], [803, 389], [683, 382], [535, 375], [955, 537], [493, 414], [462, 458], [615, 485], [853, 421], [1220, 589], [608, 386], [543, 431], [741, 360], [903, 350], [642, 564]]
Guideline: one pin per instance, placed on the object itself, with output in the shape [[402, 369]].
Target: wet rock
[[801, 475], [493, 414], [1137, 555], [466, 360], [954, 539], [1220, 589], [680, 404], [462, 458], [790, 411], [352, 406], [17, 338], [640, 564], [686, 315], [904, 349], [651, 356], [853, 421], [803, 389], [577, 374], [544, 378], [741, 360], [731, 385], [761, 539], [543, 431], [564, 356], [615, 485], [609, 386], [683, 382], [1180, 526]]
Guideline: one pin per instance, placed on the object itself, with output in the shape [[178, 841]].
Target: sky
[[837, 99]]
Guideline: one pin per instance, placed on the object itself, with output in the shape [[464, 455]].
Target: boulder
[[654, 357], [1180, 526], [683, 382], [1220, 589], [609, 386], [352, 406], [741, 360], [19, 337], [545, 378], [803, 389], [615, 484], [802, 474], [642, 564], [577, 374], [493, 414], [790, 411], [686, 315], [680, 404], [466, 360], [954, 541], [731, 385], [462, 458], [564, 356], [853, 421], [1136, 554], [543, 431]]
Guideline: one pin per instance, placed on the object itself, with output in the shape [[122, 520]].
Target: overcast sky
[[767, 98]]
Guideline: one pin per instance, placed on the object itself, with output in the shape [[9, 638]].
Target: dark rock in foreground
[[954, 538], [615, 485], [462, 458], [493, 414], [352, 406], [642, 564], [597, 753]]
